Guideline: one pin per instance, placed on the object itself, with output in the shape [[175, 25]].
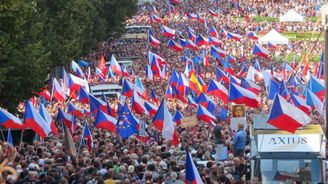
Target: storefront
[[281, 157]]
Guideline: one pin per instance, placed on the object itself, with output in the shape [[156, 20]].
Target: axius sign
[[289, 143]]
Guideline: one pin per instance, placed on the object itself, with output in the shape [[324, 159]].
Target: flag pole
[[21, 139], [3, 136], [78, 151]]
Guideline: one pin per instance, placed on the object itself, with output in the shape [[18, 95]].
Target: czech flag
[[83, 96], [163, 122], [286, 116], [151, 108], [234, 36], [242, 71], [127, 89], [202, 83], [46, 116], [154, 41], [253, 36], [87, 136], [203, 100], [155, 68], [57, 91], [313, 101], [316, 86], [260, 51], [217, 89], [64, 118], [137, 104], [250, 85], [154, 97], [72, 109], [214, 41], [149, 73], [174, 46], [188, 44], [227, 68], [240, 95], [177, 117], [300, 103], [192, 175], [221, 75], [183, 83], [96, 104], [116, 68], [174, 78], [168, 32], [75, 83], [105, 121], [218, 53], [155, 19], [191, 35], [10, 121], [34, 120], [77, 70], [205, 115], [201, 40], [234, 80], [213, 13]]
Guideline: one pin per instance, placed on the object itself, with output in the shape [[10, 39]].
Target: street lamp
[[324, 19]]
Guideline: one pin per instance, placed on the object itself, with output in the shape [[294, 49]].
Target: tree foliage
[[36, 35]]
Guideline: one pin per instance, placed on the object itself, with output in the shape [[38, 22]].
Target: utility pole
[[324, 16]]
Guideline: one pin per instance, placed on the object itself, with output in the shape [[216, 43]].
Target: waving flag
[[242, 71], [151, 108], [10, 121], [316, 86], [163, 122], [234, 36], [155, 19], [240, 95], [174, 46], [34, 120], [214, 41], [194, 84], [83, 96], [75, 83], [260, 51], [149, 73], [72, 109], [168, 32], [172, 10], [191, 35], [183, 83], [174, 78], [96, 104], [87, 136], [77, 70], [218, 53], [313, 101], [192, 175], [154, 41], [221, 75], [154, 97], [116, 68], [57, 91], [127, 89], [253, 36], [102, 65], [105, 121], [205, 115], [177, 117], [64, 118], [233, 79], [192, 16], [250, 85], [155, 68], [46, 116], [203, 100], [213, 13], [125, 127], [201, 40], [136, 104], [153, 9], [227, 68], [218, 90], [300, 103], [188, 44], [202, 83], [286, 116]]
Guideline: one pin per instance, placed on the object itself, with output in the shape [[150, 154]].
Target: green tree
[[24, 62]]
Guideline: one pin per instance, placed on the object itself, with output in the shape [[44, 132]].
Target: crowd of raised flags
[[251, 85]]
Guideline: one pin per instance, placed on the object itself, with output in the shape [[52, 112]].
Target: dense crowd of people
[[156, 160]]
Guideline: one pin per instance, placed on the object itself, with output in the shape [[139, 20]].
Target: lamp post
[[324, 16]]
